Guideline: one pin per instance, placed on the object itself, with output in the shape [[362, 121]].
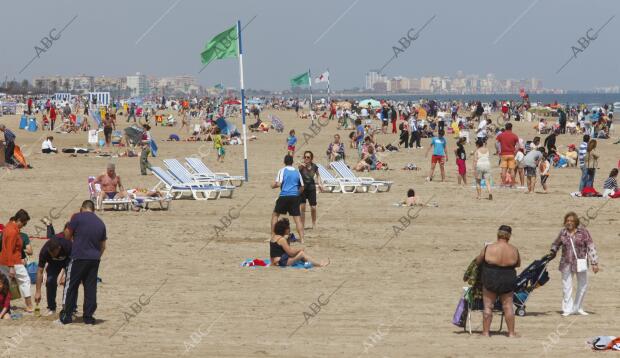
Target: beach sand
[[164, 293]]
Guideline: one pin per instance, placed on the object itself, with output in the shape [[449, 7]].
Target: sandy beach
[[171, 287]]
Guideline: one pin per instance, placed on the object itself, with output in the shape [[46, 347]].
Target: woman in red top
[[11, 255], [53, 115]]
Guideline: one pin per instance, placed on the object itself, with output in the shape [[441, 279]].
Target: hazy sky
[[110, 38]]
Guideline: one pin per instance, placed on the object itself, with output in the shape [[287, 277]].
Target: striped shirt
[[9, 136], [610, 183], [583, 148]]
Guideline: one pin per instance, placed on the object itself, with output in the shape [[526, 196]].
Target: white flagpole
[[245, 142], [328, 74], [310, 80]]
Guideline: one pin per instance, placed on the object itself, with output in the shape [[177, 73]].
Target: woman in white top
[[482, 168], [47, 147]]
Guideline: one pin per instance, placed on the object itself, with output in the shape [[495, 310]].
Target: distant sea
[[591, 99]]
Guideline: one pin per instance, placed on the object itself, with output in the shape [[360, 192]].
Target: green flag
[[219, 86], [224, 45], [301, 80]]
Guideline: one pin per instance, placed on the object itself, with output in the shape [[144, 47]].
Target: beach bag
[[32, 269], [14, 289], [582, 264], [460, 314]]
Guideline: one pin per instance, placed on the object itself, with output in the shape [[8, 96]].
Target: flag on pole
[[223, 45], [219, 86], [301, 80], [324, 77]]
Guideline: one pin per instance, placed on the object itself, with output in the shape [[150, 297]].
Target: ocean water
[[590, 99]]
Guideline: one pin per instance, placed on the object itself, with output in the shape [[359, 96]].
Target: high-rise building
[[372, 77], [138, 85]]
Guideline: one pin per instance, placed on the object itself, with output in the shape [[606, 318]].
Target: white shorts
[[22, 277]]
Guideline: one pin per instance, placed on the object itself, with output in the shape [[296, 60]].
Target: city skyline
[[511, 41]]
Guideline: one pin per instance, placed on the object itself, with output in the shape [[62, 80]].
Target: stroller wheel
[[520, 311]]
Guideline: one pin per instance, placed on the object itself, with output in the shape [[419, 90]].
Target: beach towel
[[267, 263], [590, 192], [153, 147], [602, 343], [18, 156]]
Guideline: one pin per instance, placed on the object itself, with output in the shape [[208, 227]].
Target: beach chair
[[144, 202], [184, 176], [337, 185], [199, 191], [374, 186], [198, 166], [95, 189]]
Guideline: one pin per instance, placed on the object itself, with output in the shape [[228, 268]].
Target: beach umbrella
[[232, 101], [255, 101], [344, 104], [373, 103], [226, 127], [134, 134]]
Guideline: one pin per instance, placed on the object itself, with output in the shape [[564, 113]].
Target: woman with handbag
[[577, 249]]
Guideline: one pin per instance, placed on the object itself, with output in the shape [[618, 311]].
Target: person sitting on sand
[[111, 186], [47, 146], [498, 262], [571, 155], [335, 150], [411, 200], [610, 186], [280, 251]]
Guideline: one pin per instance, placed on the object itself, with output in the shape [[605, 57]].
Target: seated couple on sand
[[280, 251]]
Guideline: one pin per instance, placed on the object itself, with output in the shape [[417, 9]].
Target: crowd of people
[[72, 257]]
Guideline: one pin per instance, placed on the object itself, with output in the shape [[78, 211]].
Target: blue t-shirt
[[439, 146], [290, 181], [292, 140], [360, 129], [88, 232]]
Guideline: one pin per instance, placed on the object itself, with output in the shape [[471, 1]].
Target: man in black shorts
[[308, 171], [291, 185]]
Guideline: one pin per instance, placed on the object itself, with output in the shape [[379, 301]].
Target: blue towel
[[297, 265], [153, 147]]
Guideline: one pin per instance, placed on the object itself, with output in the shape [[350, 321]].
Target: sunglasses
[[307, 157]]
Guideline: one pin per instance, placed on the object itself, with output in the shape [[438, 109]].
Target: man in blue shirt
[[359, 136], [440, 155], [88, 235], [9, 142], [291, 185]]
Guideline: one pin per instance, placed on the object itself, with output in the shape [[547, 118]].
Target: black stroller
[[532, 277]]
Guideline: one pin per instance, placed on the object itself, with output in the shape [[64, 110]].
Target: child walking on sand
[[219, 145], [461, 158], [545, 166], [290, 142]]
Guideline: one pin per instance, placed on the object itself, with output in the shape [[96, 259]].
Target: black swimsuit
[[275, 250], [498, 279]]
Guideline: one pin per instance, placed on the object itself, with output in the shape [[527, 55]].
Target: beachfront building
[[138, 85], [373, 77], [73, 84]]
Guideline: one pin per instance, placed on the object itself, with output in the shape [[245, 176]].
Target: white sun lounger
[[95, 189], [177, 189], [374, 185], [201, 168], [185, 176], [336, 185]]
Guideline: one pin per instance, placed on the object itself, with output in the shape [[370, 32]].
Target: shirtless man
[[109, 183]]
